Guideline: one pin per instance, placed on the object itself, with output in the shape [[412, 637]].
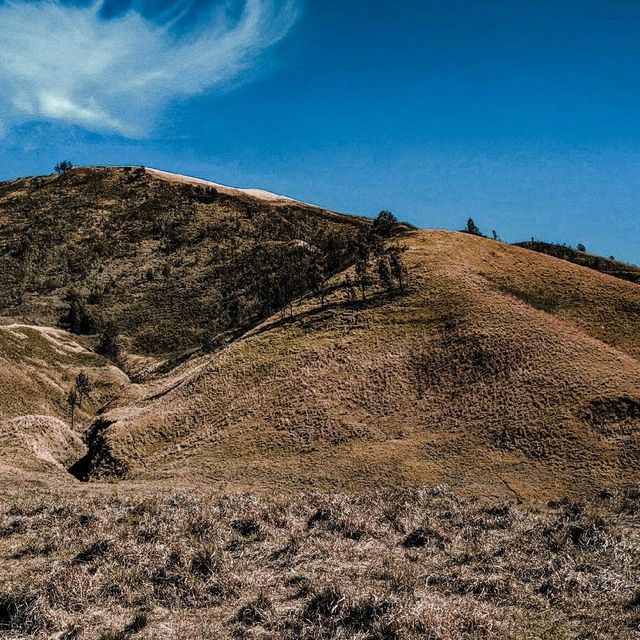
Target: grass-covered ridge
[[610, 266]]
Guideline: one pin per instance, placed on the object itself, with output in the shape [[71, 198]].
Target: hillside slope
[[173, 261], [502, 371], [38, 366], [610, 266]]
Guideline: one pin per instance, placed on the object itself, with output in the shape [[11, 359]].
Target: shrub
[[77, 318], [63, 167], [472, 228], [109, 344], [385, 224]]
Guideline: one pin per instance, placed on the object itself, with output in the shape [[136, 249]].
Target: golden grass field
[[101, 563]]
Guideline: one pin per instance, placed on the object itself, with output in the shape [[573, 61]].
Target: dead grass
[[425, 564], [38, 366]]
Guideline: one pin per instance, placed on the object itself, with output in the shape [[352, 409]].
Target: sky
[[524, 115]]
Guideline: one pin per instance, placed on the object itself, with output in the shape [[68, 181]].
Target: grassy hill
[[610, 266], [38, 366], [257, 452], [501, 371]]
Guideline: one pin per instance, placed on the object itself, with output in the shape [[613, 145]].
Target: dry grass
[[38, 366], [407, 564]]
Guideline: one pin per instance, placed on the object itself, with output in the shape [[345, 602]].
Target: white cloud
[[67, 63]]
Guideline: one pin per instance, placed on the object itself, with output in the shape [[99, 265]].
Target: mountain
[[498, 370], [301, 425], [171, 260]]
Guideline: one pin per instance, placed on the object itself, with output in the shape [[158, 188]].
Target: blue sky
[[522, 114]]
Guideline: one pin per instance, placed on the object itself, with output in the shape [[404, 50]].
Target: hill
[[501, 371], [38, 366], [610, 266], [280, 386], [172, 261]]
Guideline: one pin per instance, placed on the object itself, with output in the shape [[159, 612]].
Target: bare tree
[[83, 387]]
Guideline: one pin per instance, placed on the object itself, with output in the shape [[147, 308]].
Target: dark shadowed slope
[[171, 261]]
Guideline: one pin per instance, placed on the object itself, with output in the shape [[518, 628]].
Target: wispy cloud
[[71, 63]]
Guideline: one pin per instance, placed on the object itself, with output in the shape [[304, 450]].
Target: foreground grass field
[[105, 563]]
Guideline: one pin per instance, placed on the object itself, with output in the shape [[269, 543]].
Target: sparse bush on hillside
[[77, 317], [378, 262], [472, 228], [349, 288], [581, 247], [83, 387], [317, 278], [363, 271], [385, 224], [72, 402], [398, 268], [610, 265], [384, 272], [211, 342]]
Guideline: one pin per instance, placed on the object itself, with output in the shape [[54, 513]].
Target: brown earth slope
[[502, 371], [38, 366]]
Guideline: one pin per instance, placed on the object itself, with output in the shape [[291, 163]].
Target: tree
[[109, 344], [316, 277], [398, 268], [349, 288], [385, 224], [472, 228], [72, 401], [363, 277], [63, 167], [384, 272], [581, 247], [77, 318], [83, 387]]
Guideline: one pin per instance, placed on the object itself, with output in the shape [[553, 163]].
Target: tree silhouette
[[398, 268], [472, 228], [384, 272], [316, 277], [385, 224], [109, 344], [83, 387], [63, 167], [72, 401]]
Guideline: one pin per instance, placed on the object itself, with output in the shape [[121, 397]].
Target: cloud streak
[[68, 63]]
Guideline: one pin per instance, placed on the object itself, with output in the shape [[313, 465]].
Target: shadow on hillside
[[319, 313]]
